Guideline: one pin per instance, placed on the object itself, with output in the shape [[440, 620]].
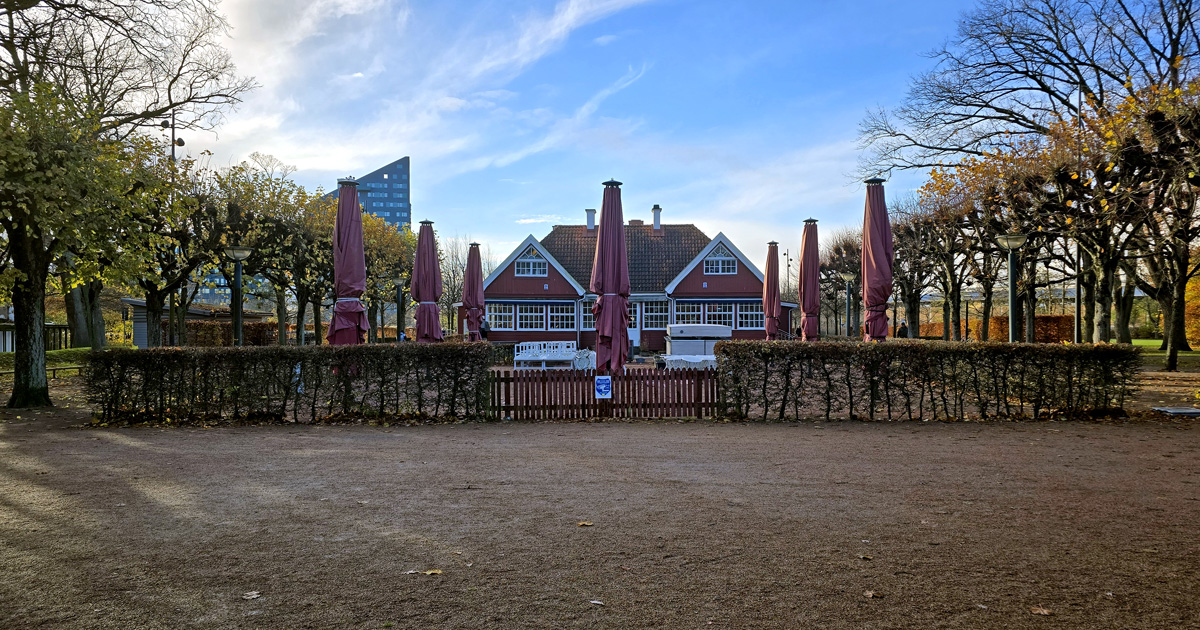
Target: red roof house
[[678, 275]]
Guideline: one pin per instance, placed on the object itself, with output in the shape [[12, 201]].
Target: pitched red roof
[[654, 261]]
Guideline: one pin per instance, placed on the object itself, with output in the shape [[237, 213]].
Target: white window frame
[[531, 264], [587, 321], [656, 310], [723, 263], [688, 317], [498, 315], [531, 309], [751, 309], [565, 313], [718, 310], [633, 316]]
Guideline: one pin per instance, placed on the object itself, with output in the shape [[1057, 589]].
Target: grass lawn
[[1154, 358]]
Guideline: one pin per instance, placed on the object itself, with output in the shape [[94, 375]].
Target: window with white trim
[[531, 317], [562, 316], [718, 314], [532, 264], [719, 262], [687, 313], [750, 315], [587, 321], [633, 315], [655, 315], [499, 316]]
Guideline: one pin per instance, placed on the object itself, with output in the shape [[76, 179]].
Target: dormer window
[[720, 262], [531, 264]]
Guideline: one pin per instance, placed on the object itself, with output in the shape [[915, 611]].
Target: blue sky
[[740, 117]]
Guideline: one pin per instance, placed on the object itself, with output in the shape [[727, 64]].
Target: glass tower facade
[[385, 193]]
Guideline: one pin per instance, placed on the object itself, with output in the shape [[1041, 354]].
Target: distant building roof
[[654, 260]]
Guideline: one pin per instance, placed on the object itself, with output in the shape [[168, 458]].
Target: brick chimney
[[657, 217], [636, 222], [591, 214]]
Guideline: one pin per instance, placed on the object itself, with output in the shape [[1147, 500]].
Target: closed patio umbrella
[[473, 293], [610, 283], [427, 285], [349, 325], [877, 259], [810, 282], [770, 299]]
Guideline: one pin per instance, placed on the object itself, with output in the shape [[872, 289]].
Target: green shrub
[[288, 383], [208, 333], [923, 380]]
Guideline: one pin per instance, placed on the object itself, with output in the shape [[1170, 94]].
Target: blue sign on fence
[[603, 387]]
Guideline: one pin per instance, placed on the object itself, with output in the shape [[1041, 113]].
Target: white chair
[[541, 355]]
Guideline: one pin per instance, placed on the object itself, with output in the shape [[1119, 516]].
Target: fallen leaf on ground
[[433, 572], [251, 595], [411, 572], [585, 523], [981, 606], [864, 557], [596, 602], [1038, 610], [872, 595]]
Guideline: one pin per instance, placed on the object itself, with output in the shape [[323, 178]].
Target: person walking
[[484, 328], [902, 332]]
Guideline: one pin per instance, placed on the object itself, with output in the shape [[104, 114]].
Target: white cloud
[[541, 218], [605, 40]]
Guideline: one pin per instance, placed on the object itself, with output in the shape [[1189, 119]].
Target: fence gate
[[566, 394]]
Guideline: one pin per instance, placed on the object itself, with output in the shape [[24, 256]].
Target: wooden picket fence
[[566, 394]]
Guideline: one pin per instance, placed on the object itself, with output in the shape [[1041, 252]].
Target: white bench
[[542, 355]]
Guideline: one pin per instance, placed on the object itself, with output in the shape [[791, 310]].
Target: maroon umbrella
[[810, 282], [473, 292], [427, 285], [349, 323], [770, 302], [610, 283], [877, 257]]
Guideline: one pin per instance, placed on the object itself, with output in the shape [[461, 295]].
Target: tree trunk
[[956, 313], [301, 311], [912, 314], [30, 388], [319, 338], [154, 311], [281, 317], [1088, 282], [945, 317], [77, 320], [1030, 312], [1104, 303], [1124, 301], [91, 306], [985, 325], [1177, 340]]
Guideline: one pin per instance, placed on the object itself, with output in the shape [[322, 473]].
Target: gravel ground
[[696, 525]]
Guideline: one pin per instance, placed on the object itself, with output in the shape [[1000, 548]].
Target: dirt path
[[694, 525]]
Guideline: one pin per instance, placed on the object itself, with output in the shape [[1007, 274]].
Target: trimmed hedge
[[207, 333], [289, 383], [923, 380]]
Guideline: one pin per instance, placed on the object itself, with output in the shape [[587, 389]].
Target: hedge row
[[923, 380], [1046, 328], [209, 333], [289, 383]]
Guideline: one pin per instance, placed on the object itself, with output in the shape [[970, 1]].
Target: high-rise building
[[385, 192]]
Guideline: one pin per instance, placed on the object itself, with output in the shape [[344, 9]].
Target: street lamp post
[[237, 253], [848, 276], [175, 142], [1012, 242]]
